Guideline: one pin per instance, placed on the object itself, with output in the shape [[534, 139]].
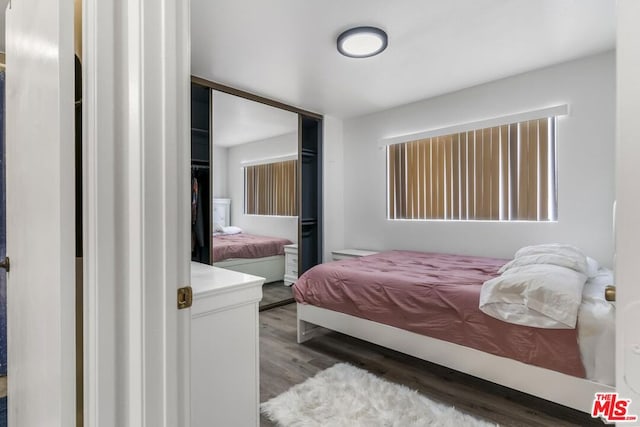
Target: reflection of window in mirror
[[270, 188], [255, 148]]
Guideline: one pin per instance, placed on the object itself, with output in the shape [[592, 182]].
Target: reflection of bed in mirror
[[236, 250]]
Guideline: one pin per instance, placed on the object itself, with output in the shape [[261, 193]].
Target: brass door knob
[[610, 293], [6, 264]]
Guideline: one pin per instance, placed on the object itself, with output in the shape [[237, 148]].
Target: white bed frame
[[564, 389], [271, 268]]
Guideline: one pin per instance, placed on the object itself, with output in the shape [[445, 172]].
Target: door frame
[[136, 90], [627, 231], [252, 97]]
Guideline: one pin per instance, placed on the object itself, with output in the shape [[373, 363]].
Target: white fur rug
[[344, 395]]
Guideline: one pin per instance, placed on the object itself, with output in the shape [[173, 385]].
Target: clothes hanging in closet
[[197, 220]]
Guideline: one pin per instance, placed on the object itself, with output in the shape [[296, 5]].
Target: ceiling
[[238, 121], [285, 49]]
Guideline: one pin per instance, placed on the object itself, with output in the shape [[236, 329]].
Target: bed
[[427, 305], [243, 252]]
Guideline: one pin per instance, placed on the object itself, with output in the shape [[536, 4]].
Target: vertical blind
[[501, 173], [271, 189]]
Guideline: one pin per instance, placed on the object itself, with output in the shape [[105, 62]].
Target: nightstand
[[350, 253], [290, 264]]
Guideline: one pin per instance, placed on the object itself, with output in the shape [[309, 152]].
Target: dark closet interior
[[310, 197], [200, 174]]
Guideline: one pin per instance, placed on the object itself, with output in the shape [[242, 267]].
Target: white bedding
[[595, 323], [536, 295], [227, 231], [596, 329], [557, 286]]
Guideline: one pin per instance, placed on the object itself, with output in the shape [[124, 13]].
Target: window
[[271, 189], [500, 173]]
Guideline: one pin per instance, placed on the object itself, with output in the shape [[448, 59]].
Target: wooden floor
[[275, 292], [284, 363]]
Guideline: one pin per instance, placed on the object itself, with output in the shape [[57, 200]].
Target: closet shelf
[[200, 131], [197, 167]]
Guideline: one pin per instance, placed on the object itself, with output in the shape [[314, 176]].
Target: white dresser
[[291, 264], [225, 361], [350, 253]]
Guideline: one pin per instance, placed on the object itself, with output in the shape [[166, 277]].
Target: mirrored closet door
[[255, 207], [245, 167]]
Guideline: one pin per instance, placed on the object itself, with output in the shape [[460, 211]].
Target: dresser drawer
[[292, 260], [292, 270], [291, 276], [290, 264]]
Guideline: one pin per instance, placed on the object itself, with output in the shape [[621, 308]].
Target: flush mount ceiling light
[[362, 42]]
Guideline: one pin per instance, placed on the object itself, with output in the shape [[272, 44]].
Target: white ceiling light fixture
[[362, 42]]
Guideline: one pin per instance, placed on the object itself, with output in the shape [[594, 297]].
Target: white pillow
[[552, 248], [231, 230], [217, 227], [538, 295], [578, 264], [593, 267]]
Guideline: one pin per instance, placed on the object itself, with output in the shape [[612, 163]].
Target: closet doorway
[[251, 160]]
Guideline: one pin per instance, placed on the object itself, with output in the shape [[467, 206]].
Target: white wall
[[220, 159], [262, 225], [585, 164], [333, 185]]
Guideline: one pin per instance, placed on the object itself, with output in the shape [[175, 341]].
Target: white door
[[628, 206], [40, 212]]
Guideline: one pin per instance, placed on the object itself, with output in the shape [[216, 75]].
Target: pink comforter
[[242, 245], [436, 295]]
